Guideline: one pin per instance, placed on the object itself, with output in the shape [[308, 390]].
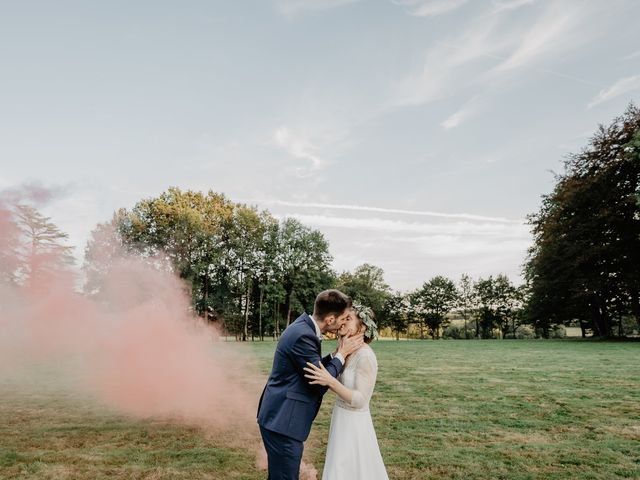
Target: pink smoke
[[137, 346]]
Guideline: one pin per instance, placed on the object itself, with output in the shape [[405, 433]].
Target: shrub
[[453, 331], [525, 332], [558, 331]]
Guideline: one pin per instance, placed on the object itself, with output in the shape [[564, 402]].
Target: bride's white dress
[[353, 452]]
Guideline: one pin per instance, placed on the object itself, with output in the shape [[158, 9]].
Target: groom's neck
[[321, 323]]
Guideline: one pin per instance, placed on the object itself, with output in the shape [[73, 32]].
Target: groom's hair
[[330, 302]]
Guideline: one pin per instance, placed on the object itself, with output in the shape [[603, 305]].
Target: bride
[[352, 449]]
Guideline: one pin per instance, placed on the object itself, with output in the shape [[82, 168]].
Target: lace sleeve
[[365, 380]]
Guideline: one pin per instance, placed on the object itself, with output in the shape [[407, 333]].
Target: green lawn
[[442, 410]]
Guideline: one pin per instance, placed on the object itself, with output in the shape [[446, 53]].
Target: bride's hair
[[366, 318]]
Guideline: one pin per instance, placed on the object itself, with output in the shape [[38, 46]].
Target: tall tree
[[304, 259], [395, 314], [583, 264], [488, 306], [366, 285], [467, 302], [435, 300], [43, 253], [9, 245]]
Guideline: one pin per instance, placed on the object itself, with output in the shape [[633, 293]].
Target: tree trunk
[[206, 299], [289, 311], [245, 331], [635, 305], [603, 318], [261, 336], [465, 326]]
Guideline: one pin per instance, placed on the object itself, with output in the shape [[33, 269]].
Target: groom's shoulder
[[299, 327]]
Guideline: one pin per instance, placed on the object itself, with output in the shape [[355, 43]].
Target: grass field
[[442, 410]]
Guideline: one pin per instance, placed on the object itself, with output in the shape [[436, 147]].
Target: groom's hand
[[350, 344]]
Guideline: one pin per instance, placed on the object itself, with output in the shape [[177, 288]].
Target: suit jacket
[[289, 404]]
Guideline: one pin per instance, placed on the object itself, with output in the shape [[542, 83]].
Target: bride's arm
[[365, 380], [320, 376]]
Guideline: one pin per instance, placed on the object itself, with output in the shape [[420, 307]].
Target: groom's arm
[[306, 349], [337, 355]]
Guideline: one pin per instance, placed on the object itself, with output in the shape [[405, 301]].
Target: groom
[[289, 403]]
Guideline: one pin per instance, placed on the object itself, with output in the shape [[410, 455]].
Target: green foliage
[[432, 302], [366, 285], [37, 253], [525, 332], [584, 262], [245, 269], [500, 306], [395, 314]]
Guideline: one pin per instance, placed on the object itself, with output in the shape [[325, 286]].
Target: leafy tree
[[395, 314], [43, 253], [366, 285], [488, 306], [104, 248], [303, 260], [245, 270], [434, 301], [467, 302], [9, 245], [583, 264]]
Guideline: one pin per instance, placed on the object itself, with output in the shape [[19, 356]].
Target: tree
[[43, 254], [303, 262], [103, 250], [9, 245], [583, 264], [508, 304], [243, 268], [366, 285], [487, 302], [467, 301], [394, 312], [434, 301]]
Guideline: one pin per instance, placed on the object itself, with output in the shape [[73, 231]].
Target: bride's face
[[351, 326]]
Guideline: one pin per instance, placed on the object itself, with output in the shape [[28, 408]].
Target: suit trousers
[[284, 455]]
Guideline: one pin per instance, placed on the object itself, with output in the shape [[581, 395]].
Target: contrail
[[362, 208]]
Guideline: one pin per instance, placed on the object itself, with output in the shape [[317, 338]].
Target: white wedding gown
[[352, 451]]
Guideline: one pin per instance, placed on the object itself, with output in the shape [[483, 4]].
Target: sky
[[417, 135]]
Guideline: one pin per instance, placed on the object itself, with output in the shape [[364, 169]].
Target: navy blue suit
[[289, 404]]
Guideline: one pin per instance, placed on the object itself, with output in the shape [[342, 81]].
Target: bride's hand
[[318, 375]]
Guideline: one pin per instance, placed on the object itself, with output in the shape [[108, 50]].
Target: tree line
[[253, 274]]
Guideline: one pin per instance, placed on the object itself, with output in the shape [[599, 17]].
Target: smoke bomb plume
[[136, 346]]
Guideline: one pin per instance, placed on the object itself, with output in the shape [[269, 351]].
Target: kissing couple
[[301, 376]]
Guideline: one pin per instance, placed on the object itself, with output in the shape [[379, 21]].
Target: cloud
[[293, 8], [621, 87], [410, 252], [546, 36], [631, 56], [441, 73], [463, 114], [462, 228], [490, 51], [511, 5], [457, 246], [362, 208], [300, 148], [430, 8]]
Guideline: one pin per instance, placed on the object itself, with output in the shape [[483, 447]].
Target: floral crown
[[365, 314]]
